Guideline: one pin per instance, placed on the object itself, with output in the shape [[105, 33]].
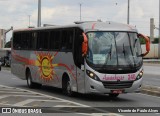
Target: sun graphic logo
[[46, 67], [44, 62]]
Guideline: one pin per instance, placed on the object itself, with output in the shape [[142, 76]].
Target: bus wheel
[[69, 91], [113, 95], [67, 87], [30, 83], [29, 80]]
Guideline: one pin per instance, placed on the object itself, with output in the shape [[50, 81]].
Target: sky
[[17, 13]]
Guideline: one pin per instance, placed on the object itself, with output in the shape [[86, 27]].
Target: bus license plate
[[117, 91]]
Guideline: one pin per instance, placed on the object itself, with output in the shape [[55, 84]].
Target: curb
[[150, 90]]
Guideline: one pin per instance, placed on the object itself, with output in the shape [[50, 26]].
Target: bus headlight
[[139, 75], [92, 75]]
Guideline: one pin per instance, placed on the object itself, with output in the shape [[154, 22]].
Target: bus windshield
[[114, 49]]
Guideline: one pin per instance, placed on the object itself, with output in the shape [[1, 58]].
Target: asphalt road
[[152, 75], [50, 95]]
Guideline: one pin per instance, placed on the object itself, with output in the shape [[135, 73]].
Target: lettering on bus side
[[113, 78], [121, 77], [132, 77]]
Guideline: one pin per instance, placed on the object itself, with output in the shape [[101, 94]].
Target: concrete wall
[[154, 51]]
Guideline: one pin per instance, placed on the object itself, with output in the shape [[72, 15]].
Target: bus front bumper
[[98, 87]]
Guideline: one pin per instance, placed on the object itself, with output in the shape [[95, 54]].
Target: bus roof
[[90, 26]]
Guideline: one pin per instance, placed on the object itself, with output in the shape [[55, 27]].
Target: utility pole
[[39, 13], [29, 20], [159, 21], [128, 11], [159, 32], [152, 27], [80, 10]]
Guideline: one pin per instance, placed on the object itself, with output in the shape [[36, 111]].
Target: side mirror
[[84, 45], [147, 44]]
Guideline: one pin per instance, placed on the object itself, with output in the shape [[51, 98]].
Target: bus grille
[[117, 85]]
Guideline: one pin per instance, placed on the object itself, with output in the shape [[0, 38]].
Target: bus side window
[[54, 40], [67, 40], [43, 40], [57, 40], [51, 40], [16, 40], [70, 40], [64, 40]]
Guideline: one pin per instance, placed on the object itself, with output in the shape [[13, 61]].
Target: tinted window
[[42, 40], [23, 41], [67, 40], [17, 40], [54, 40]]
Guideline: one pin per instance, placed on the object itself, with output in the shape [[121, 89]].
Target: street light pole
[[159, 21], [128, 11], [39, 13], [29, 20], [80, 10]]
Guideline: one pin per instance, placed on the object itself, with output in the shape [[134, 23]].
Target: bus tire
[[66, 86], [30, 83], [113, 95]]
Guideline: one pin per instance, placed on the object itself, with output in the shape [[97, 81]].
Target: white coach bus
[[86, 57]]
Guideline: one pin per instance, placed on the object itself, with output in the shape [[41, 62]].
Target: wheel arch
[[65, 77], [27, 71]]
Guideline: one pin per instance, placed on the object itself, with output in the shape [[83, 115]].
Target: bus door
[[79, 61]]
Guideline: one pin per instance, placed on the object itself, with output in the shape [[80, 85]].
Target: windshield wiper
[[135, 43], [124, 52], [109, 54]]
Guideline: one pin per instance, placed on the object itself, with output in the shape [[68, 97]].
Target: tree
[[142, 41], [156, 40], [8, 45]]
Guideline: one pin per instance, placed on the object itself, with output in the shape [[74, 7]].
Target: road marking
[[147, 95], [24, 96], [3, 102], [152, 86], [48, 96], [3, 96], [14, 78], [15, 92], [51, 99], [22, 103]]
